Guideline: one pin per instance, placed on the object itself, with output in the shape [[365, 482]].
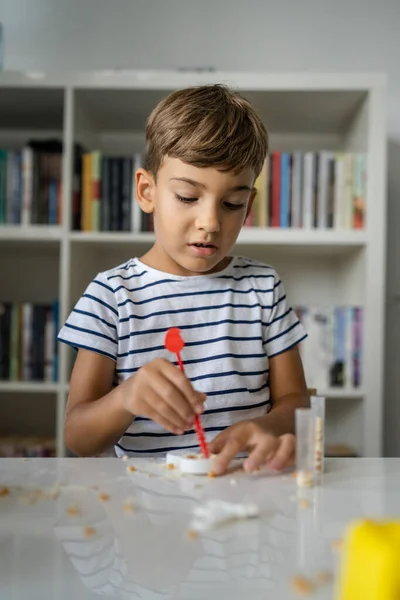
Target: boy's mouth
[[203, 248]]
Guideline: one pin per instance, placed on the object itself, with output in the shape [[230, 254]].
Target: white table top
[[44, 553]]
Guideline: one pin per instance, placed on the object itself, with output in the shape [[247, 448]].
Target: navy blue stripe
[[76, 346], [238, 390], [168, 434], [101, 335], [101, 302], [128, 277], [89, 314], [289, 310], [109, 288], [227, 409], [200, 360], [195, 326], [229, 373], [156, 450], [189, 295], [288, 347], [148, 285], [275, 304], [196, 309], [254, 265], [277, 283], [246, 277], [198, 343], [228, 355], [275, 337]]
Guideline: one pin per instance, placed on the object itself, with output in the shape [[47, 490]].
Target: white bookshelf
[[107, 111]]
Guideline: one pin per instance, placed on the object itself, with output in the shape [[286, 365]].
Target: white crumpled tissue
[[213, 513]]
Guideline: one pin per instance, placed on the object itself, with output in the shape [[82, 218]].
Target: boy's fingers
[[163, 421], [226, 454], [284, 455], [261, 453], [194, 398], [169, 407], [219, 442], [176, 407]]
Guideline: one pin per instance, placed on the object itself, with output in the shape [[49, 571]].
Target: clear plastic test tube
[[318, 406], [305, 447]]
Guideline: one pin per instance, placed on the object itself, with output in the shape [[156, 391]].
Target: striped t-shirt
[[231, 321]]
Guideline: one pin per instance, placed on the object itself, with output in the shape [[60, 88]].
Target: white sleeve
[[93, 322], [283, 329]]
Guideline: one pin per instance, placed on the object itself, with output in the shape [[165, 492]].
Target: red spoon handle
[[197, 423]]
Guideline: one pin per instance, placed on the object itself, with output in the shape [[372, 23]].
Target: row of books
[[104, 195], [14, 446], [28, 342], [31, 184], [311, 190], [332, 352], [299, 190]]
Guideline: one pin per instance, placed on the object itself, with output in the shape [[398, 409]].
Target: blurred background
[[60, 38]]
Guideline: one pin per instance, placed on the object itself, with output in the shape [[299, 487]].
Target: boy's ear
[[145, 185], [251, 200]]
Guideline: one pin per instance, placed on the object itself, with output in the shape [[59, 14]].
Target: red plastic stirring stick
[[174, 343]]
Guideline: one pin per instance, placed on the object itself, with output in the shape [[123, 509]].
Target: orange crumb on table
[[304, 503], [104, 497], [89, 531], [128, 506], [211, 474], [130, 469], [4, 492], [323, 577], [192, 534], [170, 466], [336, 544], [72, 511], [302, 586]]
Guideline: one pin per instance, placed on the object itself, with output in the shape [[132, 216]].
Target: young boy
[[205, 147]]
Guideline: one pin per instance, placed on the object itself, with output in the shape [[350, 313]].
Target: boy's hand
[[161, 392], [264, 447]]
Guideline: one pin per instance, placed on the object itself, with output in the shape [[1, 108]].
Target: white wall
[[346, 35]]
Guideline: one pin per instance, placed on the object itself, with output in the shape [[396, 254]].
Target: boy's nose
[[208, 222]]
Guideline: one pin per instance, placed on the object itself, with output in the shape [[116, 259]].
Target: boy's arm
[[95, 418], [288, 391]]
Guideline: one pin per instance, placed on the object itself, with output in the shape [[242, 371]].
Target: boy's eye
[[232, 206], [185, 199]]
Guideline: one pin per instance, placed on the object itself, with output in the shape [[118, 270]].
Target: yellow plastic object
[[370, 562]]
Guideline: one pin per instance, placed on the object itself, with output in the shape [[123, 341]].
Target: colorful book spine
[[308, 190], [87, 189], [285, 190], [296, 195], [276, 189], [95, 203]]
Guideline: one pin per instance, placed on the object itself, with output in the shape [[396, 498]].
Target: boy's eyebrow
[[237, 188]]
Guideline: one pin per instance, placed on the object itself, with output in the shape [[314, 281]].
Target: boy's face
[[198, 214]]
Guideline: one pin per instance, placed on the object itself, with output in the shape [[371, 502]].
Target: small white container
[[190, 463], [305, 447], [318, 406]]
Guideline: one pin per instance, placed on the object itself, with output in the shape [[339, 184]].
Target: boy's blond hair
[[206, 126]]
